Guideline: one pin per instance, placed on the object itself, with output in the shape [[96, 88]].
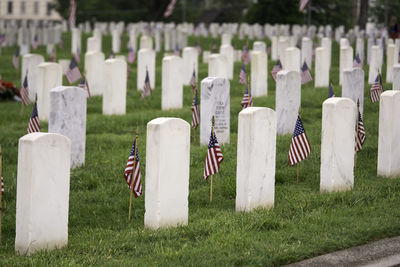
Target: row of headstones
[[43, 190]]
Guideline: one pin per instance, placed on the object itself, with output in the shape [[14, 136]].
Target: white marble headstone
[[215, 101], [396, 77], [259, 67], [94, 70], [217, 66], [146, 60], [190, 57], [68, 117], [172, 83], [321, 67], [114, 95], [353, 86], [30, 63]]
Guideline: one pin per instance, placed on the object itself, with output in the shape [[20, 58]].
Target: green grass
[[303, 223]]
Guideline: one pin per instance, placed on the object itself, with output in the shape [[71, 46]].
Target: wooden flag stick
[[0, 191], [211, 184], [133, 174]]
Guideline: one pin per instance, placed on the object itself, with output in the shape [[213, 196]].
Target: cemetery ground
[[303, 223]]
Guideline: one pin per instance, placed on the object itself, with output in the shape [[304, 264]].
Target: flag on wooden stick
[[214, 156], [195, 111], [84, 85], [131, 55], [277, 68], [299, 147], [247, 100], [132, 171], [34, 125], [360, 133], [146, 88], [73, 73], [242, 75], [376, 89], [305, 74], [330, 92], [357, 62], [25, 91], [193, 81], [170, 8]]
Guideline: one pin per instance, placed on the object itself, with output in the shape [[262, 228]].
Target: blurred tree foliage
[[378, 10], [333, 12]]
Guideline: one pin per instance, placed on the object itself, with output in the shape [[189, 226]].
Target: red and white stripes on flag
[[170, 8], [242, 75], [360, 133], [195, 111], [299, 147], [2, 185], [73, 73], [214, 157], [305, 74], [25, 91], [376, 89], [131, 55], [247, 100], [34, 125], [303, 4], [72, 10], [132, 170]]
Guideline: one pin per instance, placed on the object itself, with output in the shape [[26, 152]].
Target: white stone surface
[[64, 64], [30, 63], [389, 133], [172, 83], [390, 60], [226, 39], [116, 41], [167, 173], [146, 42], [42, 192], [338, 144], [94, 71], [227, 51], [217, 66], [375, 64], [76, 41], [321, 77], [259, 70], [292, 58], [256, 150], [396, 77], [93, 44], [274, 48], [346, 60], [306, 52], [288, 100], [283, 43], [327, 43], [68, 117], [190, 57], [146, 60], [259, 46], [215, 101], [360, 48], [49, 77], [206, 54], [114, 95], [353, 86]]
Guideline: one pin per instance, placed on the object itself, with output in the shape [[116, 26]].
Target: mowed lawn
[[304, 223]]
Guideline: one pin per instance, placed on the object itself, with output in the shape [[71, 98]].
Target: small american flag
[[195, 111], [376, 89], [131, 55], [330, 92], [73, 73], [72, 9], [170, 8], [133, 169], [214, 157], [360, 133], [15, 60], [299, 147], [77, 56], [357, 62], [303, 4], [2, 185], [25, 91], [242, 75], [247, 100], [245, 55], [193, 81], [52, 56], [176, 51], [277, 68], [305, 74], [198, 47], [33, 125], [35, 43], [84, 85], [146, 89]]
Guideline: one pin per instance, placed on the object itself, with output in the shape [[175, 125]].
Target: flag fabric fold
[[247, 100], [73, 73], [25, 91], [146, 88], [330, 92], [360, 133], [242, 75], [195, 111], [170, 8], [299, 147], [34, 125], [277, 68], [305, 74], [214, 157], [132, 171], [376, 89]]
